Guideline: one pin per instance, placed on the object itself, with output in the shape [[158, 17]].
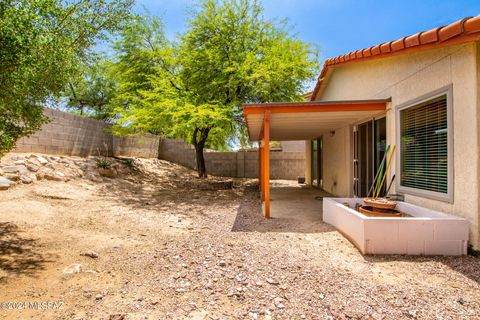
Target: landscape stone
[[73, 268], [109, 173], [42, 160], [52, 176], [12, 176], [26, 179], [14, 169], [32, 167], [5, 183]]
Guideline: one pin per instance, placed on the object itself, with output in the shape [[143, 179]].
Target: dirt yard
[[151, 245]]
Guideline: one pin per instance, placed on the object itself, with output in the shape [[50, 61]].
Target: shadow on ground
[[468, 266], [19, 255], [294, 219], [162, 188]]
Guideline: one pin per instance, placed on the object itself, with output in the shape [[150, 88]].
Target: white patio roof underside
[[304, 126], [305, 121]]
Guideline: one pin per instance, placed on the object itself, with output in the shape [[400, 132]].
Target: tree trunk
[[201, 169], [199, 143]]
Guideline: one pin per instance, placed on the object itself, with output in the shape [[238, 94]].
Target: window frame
[[445, 197]]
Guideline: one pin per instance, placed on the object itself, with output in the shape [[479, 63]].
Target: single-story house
[[420, 93]]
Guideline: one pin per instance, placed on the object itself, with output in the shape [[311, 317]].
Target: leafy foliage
[[90, 93], [41, 44], [230, 54]]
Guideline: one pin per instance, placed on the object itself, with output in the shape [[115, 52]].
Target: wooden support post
[[260, 169], [266, 160]]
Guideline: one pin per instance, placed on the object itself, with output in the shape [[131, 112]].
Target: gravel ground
[[147, 245]]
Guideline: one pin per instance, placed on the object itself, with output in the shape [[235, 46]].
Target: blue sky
[[339, 26]]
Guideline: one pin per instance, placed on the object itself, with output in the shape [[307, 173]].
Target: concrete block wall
[[68, 134], [143, 146], [241, 164]]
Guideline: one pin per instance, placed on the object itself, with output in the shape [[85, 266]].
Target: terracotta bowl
[[375, 212]]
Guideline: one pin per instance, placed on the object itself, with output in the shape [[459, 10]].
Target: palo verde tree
[[90, 92], [229, 55], [42, 42]]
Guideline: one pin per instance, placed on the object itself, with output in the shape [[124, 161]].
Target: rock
[[66, 161], [26, 179], [73, 268], [32, 167], [60, 174], [20, 162], [117, 317], [93, 177], [222, 263], [54, 158], [32, 161], [52, 176], [14, 169], [40, 175], [91, 254], [279, 303], [99, 296], [272, 281], [42, 160], [109, 173], [5, 183], [12, 176], [83, 166]]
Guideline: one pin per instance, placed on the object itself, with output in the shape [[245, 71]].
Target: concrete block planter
[[427, 232]]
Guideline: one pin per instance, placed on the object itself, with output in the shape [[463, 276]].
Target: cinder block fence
[[68, 134], [242, 164]]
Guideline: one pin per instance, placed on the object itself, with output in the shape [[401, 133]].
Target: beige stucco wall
[[404, 78], [478, 139], [337, 153]]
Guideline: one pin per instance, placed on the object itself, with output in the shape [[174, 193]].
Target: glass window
[[424, 146]]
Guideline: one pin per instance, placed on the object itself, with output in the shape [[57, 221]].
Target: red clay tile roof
[[464, 30]]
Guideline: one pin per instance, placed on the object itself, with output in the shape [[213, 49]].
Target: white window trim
[[446, 197]]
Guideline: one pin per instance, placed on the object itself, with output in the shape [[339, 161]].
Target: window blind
[[424, 146]]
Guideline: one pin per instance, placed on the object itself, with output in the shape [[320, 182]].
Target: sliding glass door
[[369, 148]]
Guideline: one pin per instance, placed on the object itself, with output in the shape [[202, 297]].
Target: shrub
[[129, 163], [103, 163]]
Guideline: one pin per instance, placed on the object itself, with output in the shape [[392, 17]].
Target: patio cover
[[283, 121]]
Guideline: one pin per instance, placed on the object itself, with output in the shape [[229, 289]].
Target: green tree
[[141, 50], [42, 43], [229, 55], [91, 92]]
